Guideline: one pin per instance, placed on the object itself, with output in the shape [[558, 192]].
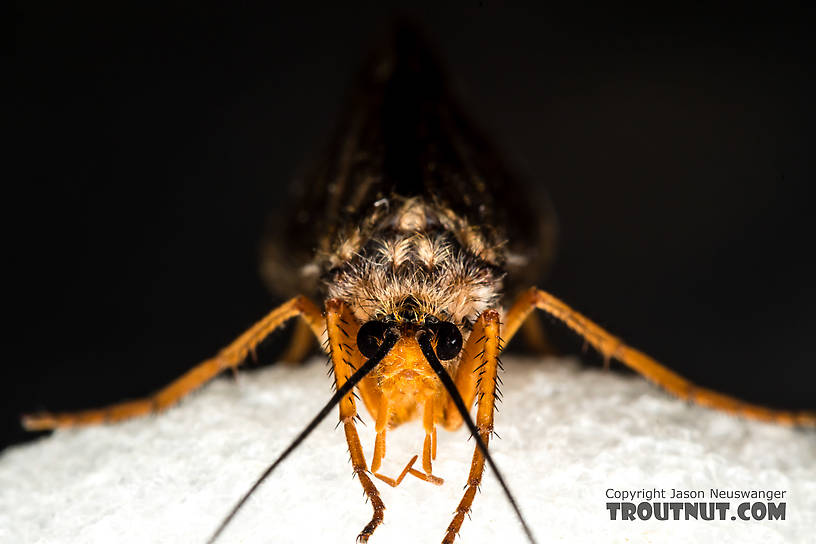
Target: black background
[[149, 147]]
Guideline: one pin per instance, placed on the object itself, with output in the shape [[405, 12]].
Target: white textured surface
[[567, 436]]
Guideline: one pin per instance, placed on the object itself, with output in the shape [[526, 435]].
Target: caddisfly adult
[[411, 233]]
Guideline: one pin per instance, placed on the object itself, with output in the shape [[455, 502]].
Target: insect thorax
[[409, 258]]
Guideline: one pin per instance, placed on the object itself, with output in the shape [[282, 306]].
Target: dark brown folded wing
[[404, 134]]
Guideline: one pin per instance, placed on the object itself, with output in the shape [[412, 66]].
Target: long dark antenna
[[427, 350], [391, 337]]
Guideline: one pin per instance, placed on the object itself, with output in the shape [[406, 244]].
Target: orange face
[[404, 376], [405, 370]]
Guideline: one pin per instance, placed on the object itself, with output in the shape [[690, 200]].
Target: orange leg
[[535, 336], [611, 347], [229, 357], [300, 345], [341, 327], [467, 373], [485, 391]]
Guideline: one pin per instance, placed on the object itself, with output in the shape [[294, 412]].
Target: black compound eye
[[369, 338], [448, 341]]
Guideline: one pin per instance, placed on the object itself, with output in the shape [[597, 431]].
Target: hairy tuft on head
[[420, 252]]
